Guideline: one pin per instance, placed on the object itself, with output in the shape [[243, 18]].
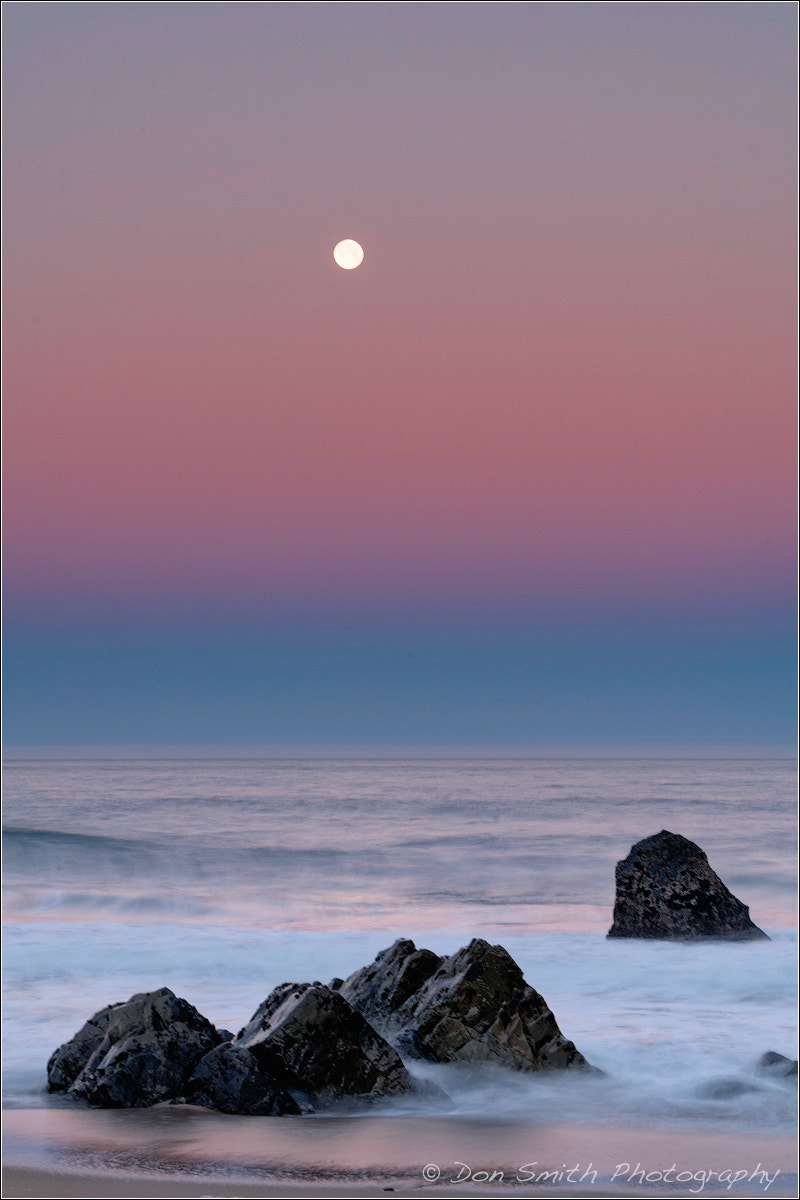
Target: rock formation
[[304, 1048], [473, 1007], [135, 1054], [666, 889], [308, 1047]]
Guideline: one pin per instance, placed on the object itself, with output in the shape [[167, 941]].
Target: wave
[[120, 904], [42, 858], [15, 838], [19, 840], [565, 899]]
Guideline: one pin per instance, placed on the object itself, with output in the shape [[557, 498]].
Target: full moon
[[348, 254]]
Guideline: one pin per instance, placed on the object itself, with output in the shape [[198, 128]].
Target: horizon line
[[389, 751]]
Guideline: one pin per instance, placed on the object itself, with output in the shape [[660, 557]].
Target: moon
[[348, 254]]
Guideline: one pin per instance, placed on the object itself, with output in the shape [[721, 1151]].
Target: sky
[[524, 479]]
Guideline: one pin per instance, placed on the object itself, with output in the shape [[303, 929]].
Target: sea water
[[222, 879]]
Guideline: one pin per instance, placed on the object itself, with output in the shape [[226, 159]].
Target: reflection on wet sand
[[187, 1148]]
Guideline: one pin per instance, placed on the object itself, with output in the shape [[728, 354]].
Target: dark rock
[[309, 1046], [319, 1048], [232, 1080], [380, 989], [135, 1054], [67, 1062], [666, 889], [778, 1066], [410, 1045], [474, 1007]]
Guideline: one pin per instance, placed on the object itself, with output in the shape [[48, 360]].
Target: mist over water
[[223, 879]]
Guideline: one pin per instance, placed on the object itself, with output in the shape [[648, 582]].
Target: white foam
[[663, 1020]]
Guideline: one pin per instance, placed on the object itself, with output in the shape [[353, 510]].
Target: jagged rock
[[231, 1079], [67, 1062], [380, 989], [778, 1066], [309, 1046], [133, 1054], [666, 889], [474, 1006], [320, 1049]]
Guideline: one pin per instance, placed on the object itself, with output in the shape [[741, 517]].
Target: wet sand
[[182, 1151], [19, 1182]]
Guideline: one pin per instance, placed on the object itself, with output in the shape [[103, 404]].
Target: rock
[[473, 1007], [135, 1054], [320, 1049], [380, 989], [232, 1080], [309, 1046], [666, 889], [778, 1066], [726, 1089], [67, 1062]]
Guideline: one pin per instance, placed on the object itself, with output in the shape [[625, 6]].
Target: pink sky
[[563, 377]]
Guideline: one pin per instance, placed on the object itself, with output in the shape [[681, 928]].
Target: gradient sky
[[525, 477]]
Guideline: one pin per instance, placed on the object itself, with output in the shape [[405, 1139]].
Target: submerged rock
[[134, 1054], [778, 1066], [666, 889], [472, 1007], [726, 1089]]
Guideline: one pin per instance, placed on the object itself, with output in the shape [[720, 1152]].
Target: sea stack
[[667, 890]]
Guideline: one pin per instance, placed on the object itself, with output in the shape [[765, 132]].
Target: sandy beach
[[182, 1151]]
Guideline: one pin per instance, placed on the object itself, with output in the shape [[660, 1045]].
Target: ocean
[[221, 879]]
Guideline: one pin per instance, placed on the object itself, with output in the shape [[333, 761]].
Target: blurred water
[[221, 880], [330, 845]]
